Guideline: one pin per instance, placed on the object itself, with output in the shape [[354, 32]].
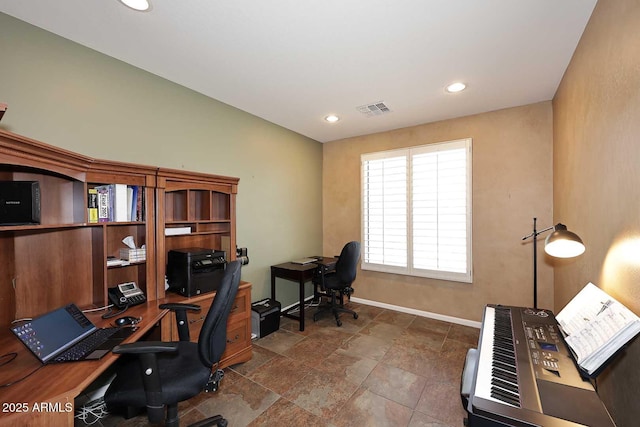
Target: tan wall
[[597, 177], [67, 95], [512, 183]]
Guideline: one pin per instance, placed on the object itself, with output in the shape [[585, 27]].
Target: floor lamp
[[562, 243]]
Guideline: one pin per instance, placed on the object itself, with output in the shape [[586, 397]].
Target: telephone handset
[[125, 295]]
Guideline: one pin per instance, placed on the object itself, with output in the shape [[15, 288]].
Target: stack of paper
[[177, 231]]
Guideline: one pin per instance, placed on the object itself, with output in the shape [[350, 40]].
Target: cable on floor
[[92, 412]]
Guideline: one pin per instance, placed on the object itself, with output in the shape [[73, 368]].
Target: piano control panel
[[549, 356], [545, 344]]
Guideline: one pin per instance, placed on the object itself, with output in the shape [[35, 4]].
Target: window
[[416, 211]]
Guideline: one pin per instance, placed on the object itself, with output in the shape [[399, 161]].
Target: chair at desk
[[165, 373], [338, 283]]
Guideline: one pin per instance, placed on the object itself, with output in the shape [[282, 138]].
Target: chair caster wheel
[[355, 315]]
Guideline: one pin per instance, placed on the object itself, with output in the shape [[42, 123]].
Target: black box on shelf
[[195, 271], [265, 317], [19, 202]]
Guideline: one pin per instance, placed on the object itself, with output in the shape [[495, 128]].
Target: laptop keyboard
[[85, 347]]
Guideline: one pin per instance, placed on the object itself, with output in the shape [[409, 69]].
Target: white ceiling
[[292, 62]]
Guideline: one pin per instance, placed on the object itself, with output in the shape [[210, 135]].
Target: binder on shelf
[[132, 203], [120, 205], [130, 214]]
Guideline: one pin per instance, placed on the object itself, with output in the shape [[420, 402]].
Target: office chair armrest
[[147, 354], [175, 306], [180, 309], [145, 347]]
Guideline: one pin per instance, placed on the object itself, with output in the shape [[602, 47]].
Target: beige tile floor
[[384, 369]]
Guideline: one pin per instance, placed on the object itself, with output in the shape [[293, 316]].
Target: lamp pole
[[535, 258], [535, 264]]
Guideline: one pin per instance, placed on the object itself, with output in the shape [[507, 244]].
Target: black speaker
[[19, 202]]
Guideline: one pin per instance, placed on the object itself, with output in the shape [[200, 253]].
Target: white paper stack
[[177, 231]]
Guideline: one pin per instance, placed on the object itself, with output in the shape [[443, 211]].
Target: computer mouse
[[126, 320]]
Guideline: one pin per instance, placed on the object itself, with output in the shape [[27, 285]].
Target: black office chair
[[165, 373], [338, 283]]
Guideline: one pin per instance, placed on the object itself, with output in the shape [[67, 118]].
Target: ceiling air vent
[[374, 109]]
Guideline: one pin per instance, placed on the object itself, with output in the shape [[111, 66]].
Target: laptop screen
[[53, 332]]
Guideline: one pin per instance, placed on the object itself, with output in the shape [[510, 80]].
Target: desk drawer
[[196, 319], [239, 312], [241, 306], [237, 339], [238, 348]]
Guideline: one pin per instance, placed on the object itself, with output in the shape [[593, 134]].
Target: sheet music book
[[596, 326]]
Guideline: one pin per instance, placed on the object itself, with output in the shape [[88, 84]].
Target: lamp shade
[[140, 5], [562, 243]]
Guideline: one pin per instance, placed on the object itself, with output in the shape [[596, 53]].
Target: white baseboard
[[413, 311], [307, 299], [420, 313]]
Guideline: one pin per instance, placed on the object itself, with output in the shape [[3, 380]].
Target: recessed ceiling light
[[140, 5], [456, 87], [332, 118]]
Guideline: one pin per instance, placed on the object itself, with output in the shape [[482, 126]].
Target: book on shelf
[[139, 204], [105, 208], [596, 326], [118, 202], [92, 205]]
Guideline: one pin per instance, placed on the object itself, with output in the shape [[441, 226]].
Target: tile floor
[[384, 369]]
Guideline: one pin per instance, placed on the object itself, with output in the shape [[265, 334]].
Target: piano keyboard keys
[[504, 359], [498, 372]]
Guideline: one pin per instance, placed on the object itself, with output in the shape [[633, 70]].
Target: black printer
[[195, 271]]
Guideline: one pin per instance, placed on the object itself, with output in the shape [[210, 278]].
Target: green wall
[[67, 95]]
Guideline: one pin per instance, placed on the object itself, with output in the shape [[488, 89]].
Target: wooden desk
[[301, 273], [238, 348], [46, 397]]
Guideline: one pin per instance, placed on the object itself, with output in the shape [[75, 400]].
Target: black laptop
[[66, 335]]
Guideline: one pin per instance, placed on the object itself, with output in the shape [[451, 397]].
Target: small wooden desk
[[301, 273], [46, 398]]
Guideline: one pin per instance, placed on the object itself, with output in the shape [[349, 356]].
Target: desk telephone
[[126, 294]]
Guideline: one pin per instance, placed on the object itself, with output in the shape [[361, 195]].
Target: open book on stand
[[596, 326]]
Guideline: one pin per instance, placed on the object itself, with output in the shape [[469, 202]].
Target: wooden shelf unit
[[112, 233], [206, 204], [63, 259]]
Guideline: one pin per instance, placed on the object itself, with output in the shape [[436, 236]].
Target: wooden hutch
[[63, 259]]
